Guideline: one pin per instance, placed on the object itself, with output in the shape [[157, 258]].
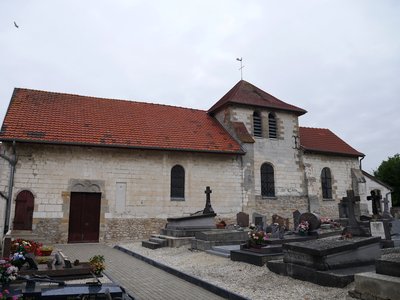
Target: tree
[[389, 173]]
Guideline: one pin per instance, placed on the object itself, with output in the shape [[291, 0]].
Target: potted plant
[[97, 264], [257, 238], [46, 250], [303, 228], [221, 224]]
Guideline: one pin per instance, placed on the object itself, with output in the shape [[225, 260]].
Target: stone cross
[[208, 209], [353, 227], [386, 214], [351, 200]]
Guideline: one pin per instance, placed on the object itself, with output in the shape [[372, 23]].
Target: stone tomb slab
[[338, 278], [199, 221], [333, 253], [254, 258], [388, 264], [222, 235]]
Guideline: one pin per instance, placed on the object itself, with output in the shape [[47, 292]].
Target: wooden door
[[84, 217], [24, 205]]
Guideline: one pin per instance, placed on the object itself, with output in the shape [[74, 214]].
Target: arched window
[[272, 126], [257, 124], [267, 180], [326, 182], [177, 182]]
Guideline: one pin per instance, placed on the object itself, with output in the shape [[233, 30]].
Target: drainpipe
[[12, 161], [360, 162]]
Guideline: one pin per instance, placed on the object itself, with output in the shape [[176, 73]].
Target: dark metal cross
[[208, 209]]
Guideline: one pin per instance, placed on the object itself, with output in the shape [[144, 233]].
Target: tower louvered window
[[257, 124], [326, 182], [272, 126], [177, 182], [267, 180]]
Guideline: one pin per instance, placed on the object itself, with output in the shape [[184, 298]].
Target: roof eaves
[[319, 151], [377, 180], [239, 152]]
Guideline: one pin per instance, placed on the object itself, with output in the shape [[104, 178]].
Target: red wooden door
[[24, 205], [84, 217]]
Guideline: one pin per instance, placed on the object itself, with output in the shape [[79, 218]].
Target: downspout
[[362, 157], [12, 161]]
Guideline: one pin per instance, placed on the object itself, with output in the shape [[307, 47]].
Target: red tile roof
[[325, 141], [55, 118], [247, 94]]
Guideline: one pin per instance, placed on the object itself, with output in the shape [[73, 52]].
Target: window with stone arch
[[326, 182], [177, 183], [272, 129], [267, 180], [257, 124]]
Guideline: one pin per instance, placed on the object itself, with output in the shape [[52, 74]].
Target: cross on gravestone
[[386, 214], [353, 227], [208, 209]]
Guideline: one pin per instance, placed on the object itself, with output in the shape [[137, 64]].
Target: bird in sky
[[15, 24]]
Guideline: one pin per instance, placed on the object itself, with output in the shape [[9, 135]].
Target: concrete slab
[[377, 285]]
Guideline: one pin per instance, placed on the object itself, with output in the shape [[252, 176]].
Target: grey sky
[[338, 59]]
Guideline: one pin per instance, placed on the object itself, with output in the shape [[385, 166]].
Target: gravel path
[[247, 280]]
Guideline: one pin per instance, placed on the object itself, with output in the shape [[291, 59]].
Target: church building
[[86, 169]]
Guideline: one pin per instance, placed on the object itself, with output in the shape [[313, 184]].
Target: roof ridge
[[110, 99]]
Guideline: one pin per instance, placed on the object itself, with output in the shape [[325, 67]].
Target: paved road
[[140, 279]]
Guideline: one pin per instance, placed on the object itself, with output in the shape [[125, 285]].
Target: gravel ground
[[244, 279]]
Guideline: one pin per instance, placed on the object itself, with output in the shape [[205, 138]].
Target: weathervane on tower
[[241, 67]]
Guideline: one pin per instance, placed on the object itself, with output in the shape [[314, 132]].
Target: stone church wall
[[50, 171], [340, 168], [281, 153]]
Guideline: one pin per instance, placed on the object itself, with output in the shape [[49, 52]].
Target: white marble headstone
[[377, 229]]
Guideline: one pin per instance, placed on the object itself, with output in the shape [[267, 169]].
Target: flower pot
[[45, 252]]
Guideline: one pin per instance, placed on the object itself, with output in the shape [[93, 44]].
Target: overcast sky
[[337, 59]]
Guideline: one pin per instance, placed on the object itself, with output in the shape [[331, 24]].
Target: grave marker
[[208, 209], [296, 219], [242, 219]]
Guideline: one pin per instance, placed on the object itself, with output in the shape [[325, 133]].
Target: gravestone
[[181, 230], [386, 214], [378, 229], [376, 201], [353, 226], [313, 220], [242, 219], [281, 221], [208, 209], [259, 220], [329, 261], [296, 219]]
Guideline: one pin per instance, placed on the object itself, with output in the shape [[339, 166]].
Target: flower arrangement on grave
[[329, 221], [25, 246], [303, 227], [19, 248], [45, 250], [6, 295], [8, 272], [97, 264], [221, 224], [258, 237]]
